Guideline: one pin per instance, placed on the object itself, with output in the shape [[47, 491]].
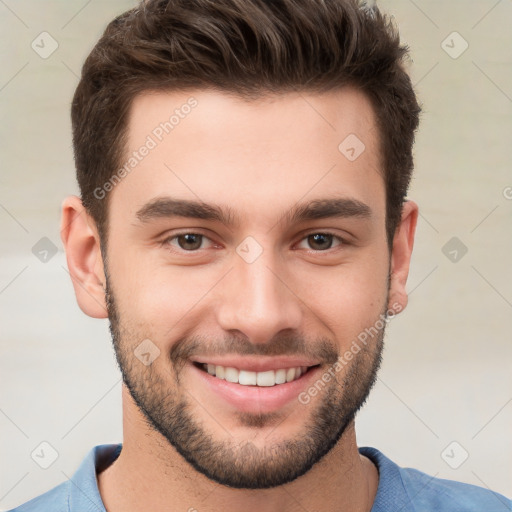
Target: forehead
[[258, 156]]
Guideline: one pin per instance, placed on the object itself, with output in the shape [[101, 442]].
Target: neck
[[150, 474]]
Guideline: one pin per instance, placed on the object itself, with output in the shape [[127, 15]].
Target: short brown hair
[[248, 48]]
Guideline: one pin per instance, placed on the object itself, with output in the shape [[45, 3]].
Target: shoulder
[[430, 493], [419, 492], [80, 492], [54, 500]]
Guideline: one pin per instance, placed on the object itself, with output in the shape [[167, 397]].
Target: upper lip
[[257, 364]]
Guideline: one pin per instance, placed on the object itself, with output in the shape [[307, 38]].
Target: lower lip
[[257, 399]]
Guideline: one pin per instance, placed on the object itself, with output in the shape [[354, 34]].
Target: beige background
[[447, 371]]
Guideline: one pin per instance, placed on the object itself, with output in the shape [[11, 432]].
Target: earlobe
[[403, 242], [83, 254]]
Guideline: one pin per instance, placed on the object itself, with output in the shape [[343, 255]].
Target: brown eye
[[321, 241], [189, 241]]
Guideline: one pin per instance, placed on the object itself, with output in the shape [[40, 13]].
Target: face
[[247, 246]]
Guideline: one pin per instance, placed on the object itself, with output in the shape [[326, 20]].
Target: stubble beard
[[243, 465]]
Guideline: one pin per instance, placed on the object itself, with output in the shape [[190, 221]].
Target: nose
[[258, 300]]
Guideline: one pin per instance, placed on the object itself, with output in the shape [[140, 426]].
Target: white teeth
[[266, 378], [248, 378], [220, 372], [231, 374], [280, 376], [290, 374]]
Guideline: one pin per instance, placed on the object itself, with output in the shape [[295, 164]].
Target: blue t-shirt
[[400, 489]]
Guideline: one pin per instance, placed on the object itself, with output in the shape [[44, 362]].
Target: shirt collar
[[391, 493], [84, 494]]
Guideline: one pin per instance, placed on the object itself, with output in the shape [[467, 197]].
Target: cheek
[[349, 298], [163, 298]]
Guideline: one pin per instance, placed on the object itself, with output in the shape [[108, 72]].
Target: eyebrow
[[168, 207]]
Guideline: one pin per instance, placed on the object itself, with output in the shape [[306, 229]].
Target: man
[[243, 167]]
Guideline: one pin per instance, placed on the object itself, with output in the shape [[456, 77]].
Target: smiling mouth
[[249, 378]]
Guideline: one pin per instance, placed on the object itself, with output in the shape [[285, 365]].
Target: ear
[[82, 244], [403, 242]]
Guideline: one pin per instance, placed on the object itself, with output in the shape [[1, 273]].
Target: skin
[[259, 159]]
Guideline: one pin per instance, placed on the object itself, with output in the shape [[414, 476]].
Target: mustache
[[321, 349]]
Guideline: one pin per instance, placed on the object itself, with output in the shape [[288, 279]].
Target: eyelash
[[166, 242]]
